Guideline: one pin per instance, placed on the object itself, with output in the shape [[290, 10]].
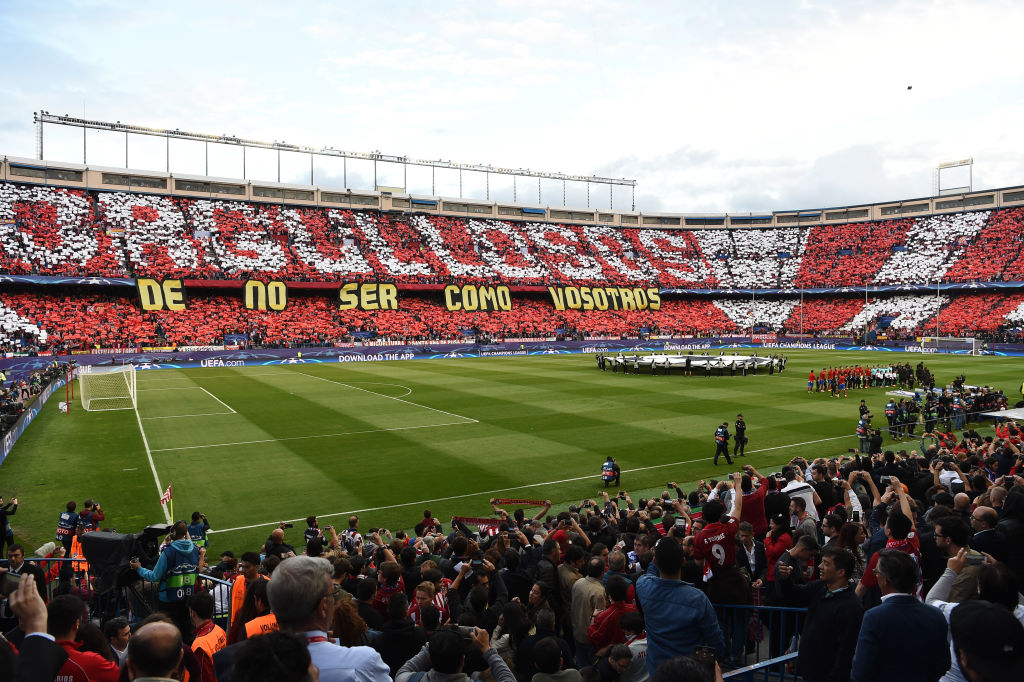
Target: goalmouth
[[953, 344], [107, 388]]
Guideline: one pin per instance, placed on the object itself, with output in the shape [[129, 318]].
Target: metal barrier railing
[[759, 639], [748, 673], [134, 601]]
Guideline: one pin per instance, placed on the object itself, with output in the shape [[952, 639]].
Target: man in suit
[[750, 554], [833, 618], [986, 537], [901, 639], [39, 656]]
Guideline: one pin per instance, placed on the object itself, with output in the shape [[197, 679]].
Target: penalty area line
[[518, 487]]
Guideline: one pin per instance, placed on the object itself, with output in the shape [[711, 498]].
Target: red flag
[[166, 497]]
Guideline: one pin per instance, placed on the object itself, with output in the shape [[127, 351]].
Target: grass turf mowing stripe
[[322, 435], [521, 487], [539, 418], [469, 420]]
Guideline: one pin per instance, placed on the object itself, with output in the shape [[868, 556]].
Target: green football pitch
[[253, 446]]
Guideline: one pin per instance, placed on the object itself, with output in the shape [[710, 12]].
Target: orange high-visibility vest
[[237, 595], [76, 553], [212, 642], [261, 625]]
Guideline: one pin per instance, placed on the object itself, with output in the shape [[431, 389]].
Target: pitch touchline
[[152, 466], [518, 487], [322, 435]]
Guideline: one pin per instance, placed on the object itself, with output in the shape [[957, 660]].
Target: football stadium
[[539, 426]]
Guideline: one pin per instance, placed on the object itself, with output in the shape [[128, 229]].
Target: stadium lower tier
[[72, 320]]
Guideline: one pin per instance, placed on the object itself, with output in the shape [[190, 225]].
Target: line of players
[[776, 363], [837, 381]]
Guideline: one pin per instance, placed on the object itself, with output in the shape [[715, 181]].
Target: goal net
[[107, 388], [952, 344]]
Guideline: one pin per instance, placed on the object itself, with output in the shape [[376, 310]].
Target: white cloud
[[711, 107]]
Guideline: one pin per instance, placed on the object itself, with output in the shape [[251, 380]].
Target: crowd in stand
[[56, 231], [909, 564], [16, 394], [76, 321]]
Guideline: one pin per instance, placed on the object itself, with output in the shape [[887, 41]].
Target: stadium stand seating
[[995, 252], [57, 231], [850, 254], [48, 230], [822, 316], [933, 245], [79, 321]]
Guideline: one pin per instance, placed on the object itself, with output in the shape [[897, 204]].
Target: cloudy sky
[[728, 106]]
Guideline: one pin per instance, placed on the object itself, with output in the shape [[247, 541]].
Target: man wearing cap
[[678, 616]]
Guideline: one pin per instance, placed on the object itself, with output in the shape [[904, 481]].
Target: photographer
[[276, 546], [444, 658], [197, 529]]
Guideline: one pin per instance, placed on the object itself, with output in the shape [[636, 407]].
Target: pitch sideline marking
[[408, 391], [201, 414], [217, 399], [152, 465], [321, 435], [469, 420], [518, 487]]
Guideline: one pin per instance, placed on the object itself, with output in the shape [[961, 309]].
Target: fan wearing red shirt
[[716, 547], [63, 617], [900, 534], [753, 501]]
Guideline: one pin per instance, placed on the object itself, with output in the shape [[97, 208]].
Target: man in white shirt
[[302, 598], [796, 487]]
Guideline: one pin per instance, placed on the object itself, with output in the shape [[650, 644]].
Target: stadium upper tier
[[50, 230]]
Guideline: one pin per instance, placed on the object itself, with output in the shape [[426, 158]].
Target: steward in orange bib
[[248, 573], [209, 637], [265, 621], [79, 567]]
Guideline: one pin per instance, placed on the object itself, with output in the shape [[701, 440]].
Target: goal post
[[107, 388], [963, 345]]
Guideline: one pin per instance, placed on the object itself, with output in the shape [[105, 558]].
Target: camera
[[622, 495], [288, 525]]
